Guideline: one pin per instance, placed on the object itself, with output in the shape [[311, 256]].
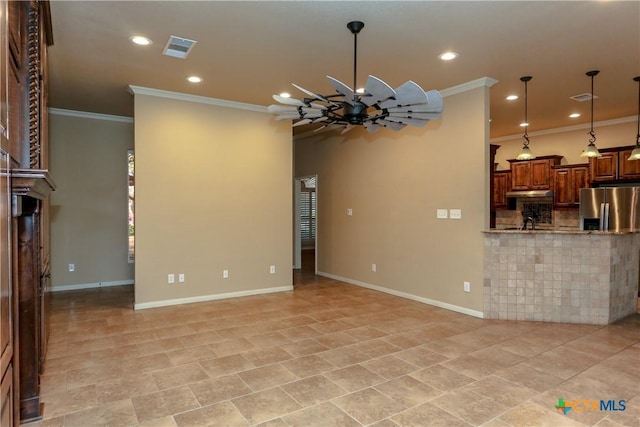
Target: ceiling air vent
[[583, 97], [178, 47]]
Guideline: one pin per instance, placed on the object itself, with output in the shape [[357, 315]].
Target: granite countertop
[[556, 231]]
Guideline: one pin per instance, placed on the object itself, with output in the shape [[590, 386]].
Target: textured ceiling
[[247, 51]]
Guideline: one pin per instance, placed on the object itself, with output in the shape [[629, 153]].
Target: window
[[132, 227], [308, 210]]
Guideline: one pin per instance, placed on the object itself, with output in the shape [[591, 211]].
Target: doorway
[[305, 225]]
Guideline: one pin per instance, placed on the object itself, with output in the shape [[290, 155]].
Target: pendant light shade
[[635, 154], [591, 150], [525, 153]]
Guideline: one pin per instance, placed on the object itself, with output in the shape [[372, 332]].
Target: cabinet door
[[540, 174], [604, 168], [563, 188], [521, 176], [501, 185], [629, 169], [580, 180]]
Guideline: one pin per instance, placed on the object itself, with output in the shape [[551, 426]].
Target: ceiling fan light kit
[[379, 105]]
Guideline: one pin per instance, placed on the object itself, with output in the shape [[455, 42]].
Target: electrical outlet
[[374, 267], [72, 267], [272, 269], [181, 278], [441, 213], [171, 278], [349, 212], [225, 274], [455, 213], [467, 287]]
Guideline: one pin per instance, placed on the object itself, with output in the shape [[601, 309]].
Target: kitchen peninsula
[[561, 276]]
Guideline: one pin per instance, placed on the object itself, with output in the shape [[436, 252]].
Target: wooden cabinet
[[532, 174], [25, 33], [628, 169], [501, 185], [604, 168], [567, 182], [614, 166]]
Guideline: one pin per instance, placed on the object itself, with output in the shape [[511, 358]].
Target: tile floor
[[326, 354]]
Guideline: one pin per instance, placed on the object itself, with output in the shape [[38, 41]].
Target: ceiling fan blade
[[288, 116], [407, 121], [328, 125], [289, 101], [346, 129], [407, 94], [376, 91], [312, 94], [302, 122], [281, 109], [390, 124], [414, 115], [371, 127], [310, 113], [343, 89], [434, 105]]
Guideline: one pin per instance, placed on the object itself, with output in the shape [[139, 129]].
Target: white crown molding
[[138, 90], [203, 298], [412, 297], [465, 87], [87, 115], [603, 123]]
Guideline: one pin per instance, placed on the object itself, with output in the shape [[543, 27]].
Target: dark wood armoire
[[25, 184]]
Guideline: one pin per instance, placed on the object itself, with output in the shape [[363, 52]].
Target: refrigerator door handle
[[606, 217]]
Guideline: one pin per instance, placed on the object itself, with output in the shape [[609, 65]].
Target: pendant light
[[525, 153], [635, 154], [591, 150]]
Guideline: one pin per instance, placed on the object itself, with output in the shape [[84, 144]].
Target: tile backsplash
[[541, 209]]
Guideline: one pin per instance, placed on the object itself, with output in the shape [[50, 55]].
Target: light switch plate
[[455, 213], [441, 213]]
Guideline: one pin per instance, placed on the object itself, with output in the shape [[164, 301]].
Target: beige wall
[[213, 192], [568, 142], [88, 161], [394, 182]]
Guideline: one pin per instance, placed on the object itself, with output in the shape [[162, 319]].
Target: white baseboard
[[90, 285], [400, 294], [178, 301]]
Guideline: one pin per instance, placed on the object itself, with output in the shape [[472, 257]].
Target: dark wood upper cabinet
[[532, 174], [629, 169], [613, 166], [501, 186], [604, 168]]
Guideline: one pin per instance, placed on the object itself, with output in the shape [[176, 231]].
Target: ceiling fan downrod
[[355, 27]]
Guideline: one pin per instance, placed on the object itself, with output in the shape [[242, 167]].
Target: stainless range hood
[[530, 193]]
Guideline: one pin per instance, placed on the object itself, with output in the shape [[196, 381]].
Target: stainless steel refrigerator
[[611, 208]]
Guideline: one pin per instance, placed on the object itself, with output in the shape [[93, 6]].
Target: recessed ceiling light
[[194, 79], [574, 115], [512, 97], [448, 56], [141, 40], [285, 95], [522, 125]]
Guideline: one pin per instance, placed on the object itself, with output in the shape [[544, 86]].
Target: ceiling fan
[[377, 106]]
